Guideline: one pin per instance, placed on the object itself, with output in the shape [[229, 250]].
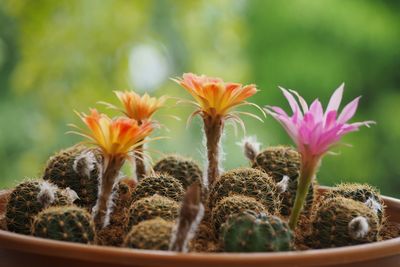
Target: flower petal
[[348, 111]]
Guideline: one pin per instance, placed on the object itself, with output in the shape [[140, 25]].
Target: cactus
[[154, 234], [282, 163], [342, 222], [232, 205], [363, 193], [29, 198], [78, 168], [248, 182], [152, 207], [252, 232], [185, 170], [70, 223], [161, 184]]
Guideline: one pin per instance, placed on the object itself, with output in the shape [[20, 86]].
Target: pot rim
[[106, 254]]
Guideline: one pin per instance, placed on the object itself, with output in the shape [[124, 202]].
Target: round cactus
[[28, 199], [152, 207], [248, 182], [68, 223], [153, 234], [78, 168], [161, 184], [363, 193], [185, 170], [282, 163], [252, 232], [342, 222], [232, 205]]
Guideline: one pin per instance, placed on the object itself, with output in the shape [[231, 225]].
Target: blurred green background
[[60, 56]]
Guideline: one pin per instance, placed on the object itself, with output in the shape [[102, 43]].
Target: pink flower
[[313, 130]]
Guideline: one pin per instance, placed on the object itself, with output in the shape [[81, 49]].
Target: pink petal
[[336, 98], [330, 119], [349, 111], [292, 102], [277, 110], [303, 103], [316, 110], [288, 125]]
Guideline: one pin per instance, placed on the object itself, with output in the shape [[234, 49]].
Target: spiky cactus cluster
[[232, 205], [152, 207], [247, 182], [153, 234], [29, 198], [282, 163], [184, 170], [341, 222], [161, 184], [78, 168], [68, 223], [252, 232], [363, 193], [155, 200]]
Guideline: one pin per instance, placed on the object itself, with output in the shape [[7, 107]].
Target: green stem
[[307, 173]]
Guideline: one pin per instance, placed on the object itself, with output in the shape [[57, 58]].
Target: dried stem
[[213, 126], [106, 184], [139, 162], [190, 216]]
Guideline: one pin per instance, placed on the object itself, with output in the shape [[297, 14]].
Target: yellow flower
[[213, 95], [138, 107], [115, 136]]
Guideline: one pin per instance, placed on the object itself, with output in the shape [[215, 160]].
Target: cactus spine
[[184, 170], [252, 232], [161, 184], [69, 223], [341, 222], [29, 198], [153, 234], [247, 182], [78, 168], [152, 207]]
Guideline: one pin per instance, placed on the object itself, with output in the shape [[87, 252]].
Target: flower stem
[[139, 162], [213, 126], [107, 182], [307, 174]]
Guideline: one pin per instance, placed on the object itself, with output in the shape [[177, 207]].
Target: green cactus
[[252, 232], [364, 193], [152, 207], [282, 163], [29, 198], [161, 184], [154, 234], [342, 222], [184, 170], [70, 223], [248, 182], [78, 168], [231, 205]]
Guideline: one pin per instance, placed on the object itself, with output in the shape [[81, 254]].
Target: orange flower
[[115, 136], [138, 107], [213, 95]]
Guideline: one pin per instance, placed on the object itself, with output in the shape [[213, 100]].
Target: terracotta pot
[[21, 250]]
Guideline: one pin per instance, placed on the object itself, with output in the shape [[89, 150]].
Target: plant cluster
[[176, 205]]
